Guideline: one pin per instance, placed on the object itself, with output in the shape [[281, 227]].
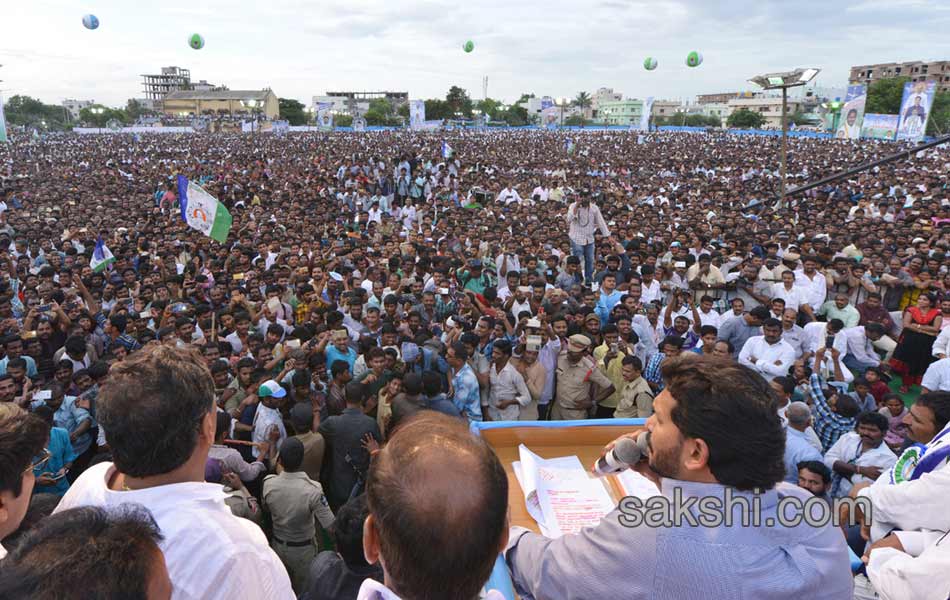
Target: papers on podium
[[560, 494]]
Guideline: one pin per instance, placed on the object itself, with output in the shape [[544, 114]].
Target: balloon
[[468, 46], [90, 22], [694, 59], [196, 41], [649, 63]]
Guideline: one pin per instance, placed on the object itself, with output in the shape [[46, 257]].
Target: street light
[[97, 110], [783, 81], [834, 107], [562, 102]]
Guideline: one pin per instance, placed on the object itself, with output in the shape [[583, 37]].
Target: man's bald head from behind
[[438, 504]]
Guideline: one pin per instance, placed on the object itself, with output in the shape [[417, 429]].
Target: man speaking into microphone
[[715, 440]]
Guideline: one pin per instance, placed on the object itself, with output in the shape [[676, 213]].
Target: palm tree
[[582, 100]]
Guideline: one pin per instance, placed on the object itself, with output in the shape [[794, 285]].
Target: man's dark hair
[[431, 383], [354, 392], [939, 403], [347, 531], [733, 409], [836, 325], [708, 329], [338, 367], [119, 322], [873, 418], [760, 312], [633, 361], [412, 383], [22, 436], [152, 405], [461, 352], [787, 383], [291, 454], [417, 500], [75, 345], [772, 322], [846, 405], [818, 468], [86, 552], [16, 363]]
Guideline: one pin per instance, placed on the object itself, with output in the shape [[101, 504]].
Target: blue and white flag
[[447, 150], [202, 211], [569, 145], [101, 257]]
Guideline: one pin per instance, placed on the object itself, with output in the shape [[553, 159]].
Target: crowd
[[369, 280]]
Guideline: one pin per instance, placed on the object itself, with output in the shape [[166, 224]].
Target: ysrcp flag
[[3, 122], [101, 257], [325, 115], [417, 114], [645, 116], [447, 151], [202, 211]]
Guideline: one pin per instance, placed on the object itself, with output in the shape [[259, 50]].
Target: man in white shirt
[[860, 456], [813, 284], [268, 422], [768, 353], [707, 314], [158, 409], [508, 195], [937, 377], [508, 392], [583, 219], [789, 292], [421, 539], [860, 340]]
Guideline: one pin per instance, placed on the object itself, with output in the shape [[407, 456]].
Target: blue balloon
[[90, 22]]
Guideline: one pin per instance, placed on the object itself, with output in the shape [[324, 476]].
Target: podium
[[548, 439]]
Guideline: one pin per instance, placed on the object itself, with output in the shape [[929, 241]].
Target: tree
[[798, 118], [516, 116], [28, 111], [746, 119], [134, 110], [86, 115], [438, 109], [939, 123], [582, 100], [404, 111], [884, 96], [576, 120], [342, 120], [292, 111], [489, 107], [458, 101]]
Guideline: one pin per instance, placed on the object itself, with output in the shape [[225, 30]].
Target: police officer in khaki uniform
[[579, 383], [294, 501]]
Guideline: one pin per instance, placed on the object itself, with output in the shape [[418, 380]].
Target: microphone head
[[643, 442], [627, 451]]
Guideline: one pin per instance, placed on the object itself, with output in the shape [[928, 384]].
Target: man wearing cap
[[473, 279], [295, 501], [579, 383], [268, 424]]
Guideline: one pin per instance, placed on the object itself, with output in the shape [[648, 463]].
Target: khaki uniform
[[313, 449], [636, 400], [574, 394], [295, 501]]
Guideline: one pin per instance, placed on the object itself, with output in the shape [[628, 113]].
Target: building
[[601, 96], [721, 98], [74, 106], [666, 108], [171, 79], [938, 71], [716, 109], [620, 112], [358, 102], [769, 106], [222, 102]]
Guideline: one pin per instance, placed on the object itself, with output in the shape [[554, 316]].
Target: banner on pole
[[915, 110]]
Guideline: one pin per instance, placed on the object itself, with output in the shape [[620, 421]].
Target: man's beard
[[666, 462]]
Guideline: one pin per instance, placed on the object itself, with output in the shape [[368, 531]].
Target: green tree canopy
[[746, 119], [884, 96], [458, 101], [939, 123], [438, 109], [28, 111], [582, 100], [292, 111], [89, 117]]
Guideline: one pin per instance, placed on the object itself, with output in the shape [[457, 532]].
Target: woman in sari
[[912, 355]]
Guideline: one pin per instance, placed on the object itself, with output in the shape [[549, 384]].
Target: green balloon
[[649, 63], [196, 41], [468, 46], [694, 59]]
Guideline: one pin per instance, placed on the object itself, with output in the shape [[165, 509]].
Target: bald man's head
[[798, 415], [438, 503]]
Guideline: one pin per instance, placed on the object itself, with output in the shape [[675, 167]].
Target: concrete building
[[601, 96], [720, 98], [171, 79], [938, 71], [74, 106], [666, 108], [716, 109], [620, 112], [358, 102], [769, 107], [222, 102]]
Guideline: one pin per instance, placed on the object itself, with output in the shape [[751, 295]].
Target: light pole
[[97, 110], [783, 81], [562, 102], [477, 113], [834, 107]]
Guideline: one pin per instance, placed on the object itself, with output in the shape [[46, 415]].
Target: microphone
[[624, 455]]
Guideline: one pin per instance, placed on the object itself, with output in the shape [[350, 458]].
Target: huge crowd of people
[[370, 280]]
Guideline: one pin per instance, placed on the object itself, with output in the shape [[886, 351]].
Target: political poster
[[325, 115], [546, 103], [915, 109], [879, 127], [852, 113], [550, 117], [3, 123], [645, 116], [417, 114], [359, 124]]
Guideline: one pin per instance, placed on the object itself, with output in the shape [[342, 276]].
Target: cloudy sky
[[302, 48]]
